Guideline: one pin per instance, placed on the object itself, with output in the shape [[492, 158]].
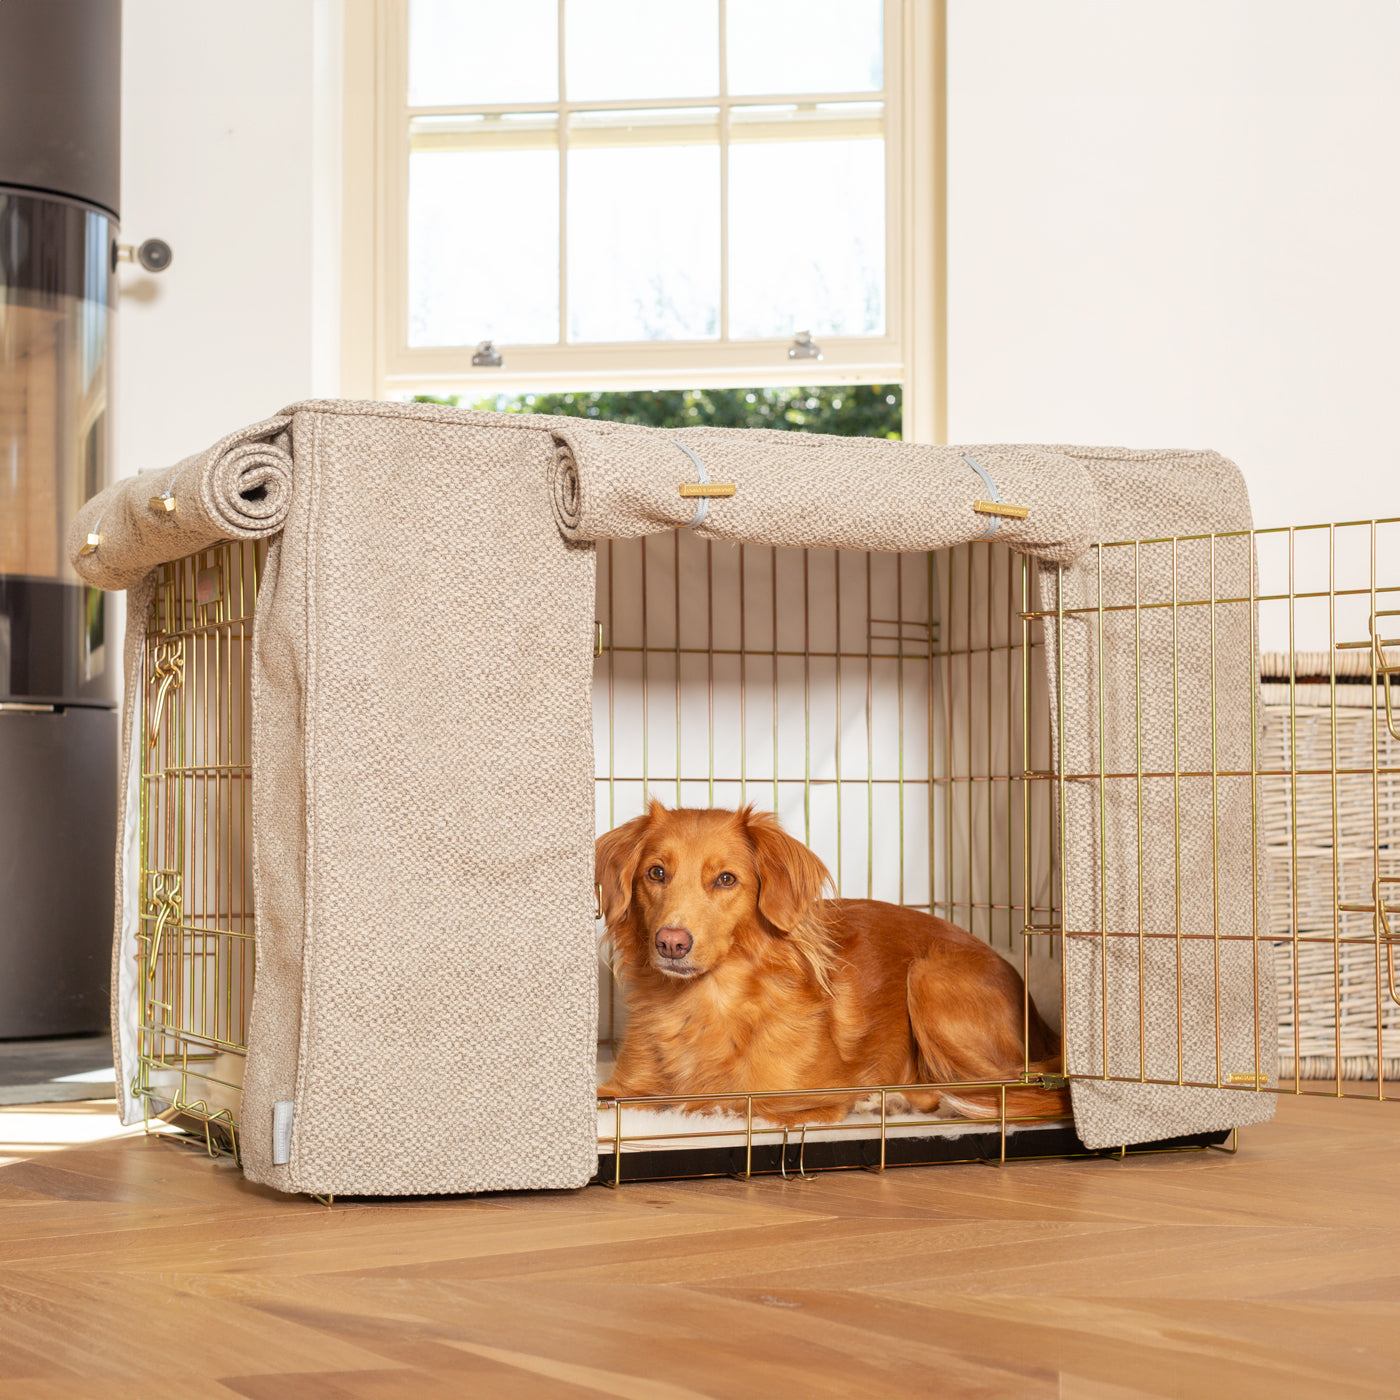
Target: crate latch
[[1384, 670], [1386, 929], [167, 672]]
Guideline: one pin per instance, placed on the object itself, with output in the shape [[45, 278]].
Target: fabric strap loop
[[991, 486]]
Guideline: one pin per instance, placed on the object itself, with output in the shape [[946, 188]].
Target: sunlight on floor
[[28, 1130]]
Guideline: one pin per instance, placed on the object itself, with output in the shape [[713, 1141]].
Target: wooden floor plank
[[666, 1336], [1175, 1348], [1272, 1274], [97, 1318]]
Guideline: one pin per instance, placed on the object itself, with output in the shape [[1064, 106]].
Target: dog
[[741, 978]]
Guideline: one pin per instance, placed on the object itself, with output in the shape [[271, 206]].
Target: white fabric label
[[282, 1132]]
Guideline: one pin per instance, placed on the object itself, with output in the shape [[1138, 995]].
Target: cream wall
[[230, 132], [1177, 223], [1170, 222]]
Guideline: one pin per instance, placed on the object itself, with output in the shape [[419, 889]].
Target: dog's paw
[[895, 1105]]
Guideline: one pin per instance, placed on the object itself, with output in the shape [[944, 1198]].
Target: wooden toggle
[[1000, 508]]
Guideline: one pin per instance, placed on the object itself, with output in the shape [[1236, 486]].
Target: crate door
[[1228, 745], [195, 946]]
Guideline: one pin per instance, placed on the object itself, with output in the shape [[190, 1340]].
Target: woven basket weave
[[1332, 1013]]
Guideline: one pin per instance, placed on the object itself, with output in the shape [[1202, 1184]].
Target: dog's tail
[[1022, 1101], [974, 1025], [986, 1049]]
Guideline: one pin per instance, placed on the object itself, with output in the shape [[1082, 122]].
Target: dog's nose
[[674, 943]]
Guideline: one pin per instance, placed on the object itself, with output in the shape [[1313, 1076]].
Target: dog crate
[[895, 712]]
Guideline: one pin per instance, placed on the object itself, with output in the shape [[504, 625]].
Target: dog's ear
[[615, 857], [790, 878]]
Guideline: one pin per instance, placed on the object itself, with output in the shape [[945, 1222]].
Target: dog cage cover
[[425, 1003]]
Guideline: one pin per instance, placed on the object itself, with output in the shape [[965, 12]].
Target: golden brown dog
[[741, 978]]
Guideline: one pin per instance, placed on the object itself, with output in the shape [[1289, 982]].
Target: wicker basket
[[1328, 990]]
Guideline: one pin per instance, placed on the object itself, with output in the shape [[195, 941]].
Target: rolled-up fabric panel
[[816, 491], [240, 489]]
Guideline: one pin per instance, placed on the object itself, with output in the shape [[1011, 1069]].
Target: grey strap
[[166, 500], [995, 520], [94, 537], [702, 504]]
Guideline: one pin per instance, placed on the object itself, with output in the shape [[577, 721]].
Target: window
[[621, 193]]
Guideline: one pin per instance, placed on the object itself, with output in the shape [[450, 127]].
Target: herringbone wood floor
[[140, 1269]]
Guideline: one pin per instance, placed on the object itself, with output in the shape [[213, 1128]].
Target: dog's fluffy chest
[[723, 1024]]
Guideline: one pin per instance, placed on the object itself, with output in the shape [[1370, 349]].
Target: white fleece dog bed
[[652, 1130]]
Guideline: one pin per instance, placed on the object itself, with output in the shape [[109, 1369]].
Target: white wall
[[1172, 222], [230, 152], [1177, 223]]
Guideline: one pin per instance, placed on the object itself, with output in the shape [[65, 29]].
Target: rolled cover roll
[[240, 489], [817, 491]]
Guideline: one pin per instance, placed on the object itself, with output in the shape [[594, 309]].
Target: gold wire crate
[[894, 712]]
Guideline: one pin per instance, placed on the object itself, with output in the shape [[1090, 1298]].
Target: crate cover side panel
[[441, 807]]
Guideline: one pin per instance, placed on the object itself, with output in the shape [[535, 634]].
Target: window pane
[[469, 51], [644, 226], [618, 49], [805, 46], [806, 222], [483, 232]]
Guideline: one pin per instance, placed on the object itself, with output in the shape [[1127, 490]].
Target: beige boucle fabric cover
[[240, 489], [423, 787], [1162, 871], [422, 748], [816, 491], [127, 871]]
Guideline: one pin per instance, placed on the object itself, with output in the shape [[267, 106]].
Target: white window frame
[[377, 361]]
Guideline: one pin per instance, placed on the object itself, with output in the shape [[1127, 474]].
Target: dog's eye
[[657, 872], [726, 879]]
